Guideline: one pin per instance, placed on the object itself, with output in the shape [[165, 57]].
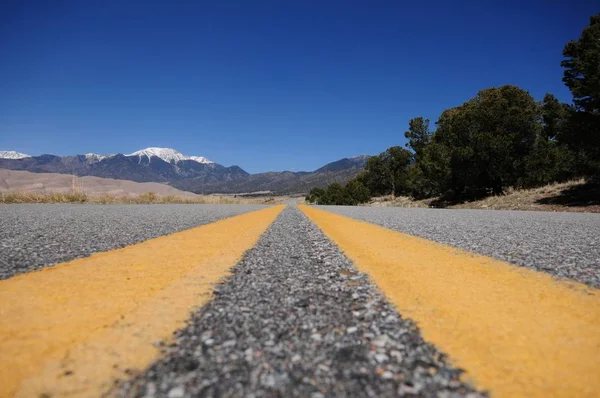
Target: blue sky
[[266, 85]]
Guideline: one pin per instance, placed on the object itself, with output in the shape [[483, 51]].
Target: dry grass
[[146, 198], [398, 201], [525, 199], [552, 197], [18, 186]]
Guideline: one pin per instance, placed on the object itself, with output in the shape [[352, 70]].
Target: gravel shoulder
[[297, 319], [566, 245], [37, 236]]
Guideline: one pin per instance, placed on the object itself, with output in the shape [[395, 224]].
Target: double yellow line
[[75, 328], [516, 332]]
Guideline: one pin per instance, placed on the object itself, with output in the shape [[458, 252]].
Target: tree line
[[500, 138]]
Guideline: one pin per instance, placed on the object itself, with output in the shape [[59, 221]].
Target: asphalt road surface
[[322, 330], [562, 244], [296, 317], [36, 236]]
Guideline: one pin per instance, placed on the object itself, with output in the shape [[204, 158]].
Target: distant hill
[[286, 182], [191, 173], [27, 182]]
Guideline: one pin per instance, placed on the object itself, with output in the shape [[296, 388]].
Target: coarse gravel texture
[[34, 236], [296, 319], [566, 245]]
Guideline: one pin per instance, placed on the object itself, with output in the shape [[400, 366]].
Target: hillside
[[191, 173], [284, 182], [572, 196], [27, 182]]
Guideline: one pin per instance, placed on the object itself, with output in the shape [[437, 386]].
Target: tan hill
[[27, 182]]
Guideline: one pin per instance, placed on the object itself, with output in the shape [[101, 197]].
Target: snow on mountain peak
[[200, 159], [168, 155], [13, 155], [96, 157]]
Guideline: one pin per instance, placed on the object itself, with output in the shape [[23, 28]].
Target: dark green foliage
[[582, 76], [549, 161], [376, 176], [387, 173], [353, 193], [555, 117], [315, 195], [356, 192], [500, 138], [583, 137], [334, 194], [431, 174], [396, 161], [487, 139], [418, 135], [582, 67]]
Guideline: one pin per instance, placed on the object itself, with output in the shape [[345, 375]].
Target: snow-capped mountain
[[168, 155], [147, 165], [94, 157], [360, 157], [193, 173], [13, 155], [201, 159]]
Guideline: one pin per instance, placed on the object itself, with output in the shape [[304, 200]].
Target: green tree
[[335, 194], [582, 67], [387, 173], [418, 135], [375, 177], [487, 138], [316, 195], [356, 192], [550, 159], [353, 193], [555, 117], [582, 76], [431, 173], [583, 137], [396, 161]]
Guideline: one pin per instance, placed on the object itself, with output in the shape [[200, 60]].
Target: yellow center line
[[74, 328], [516, 332]]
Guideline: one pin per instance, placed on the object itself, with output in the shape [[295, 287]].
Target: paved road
[[36, 236], [296, 317], [507, 325], [562, 244]]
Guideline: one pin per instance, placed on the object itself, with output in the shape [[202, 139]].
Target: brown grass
[[145, 198], [398, 201], [551, 197]]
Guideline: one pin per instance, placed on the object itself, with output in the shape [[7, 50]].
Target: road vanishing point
[[297, 301]]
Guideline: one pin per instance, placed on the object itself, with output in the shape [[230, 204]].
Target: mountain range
[[191, 173]]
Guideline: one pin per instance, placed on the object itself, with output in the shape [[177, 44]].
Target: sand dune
[[26, 182]]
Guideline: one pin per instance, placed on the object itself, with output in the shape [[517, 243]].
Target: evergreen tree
[[582, 76], [418, 135], [582, 67], [488, 138]]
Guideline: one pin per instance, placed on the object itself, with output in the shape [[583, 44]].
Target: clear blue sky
[[266, 85]]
